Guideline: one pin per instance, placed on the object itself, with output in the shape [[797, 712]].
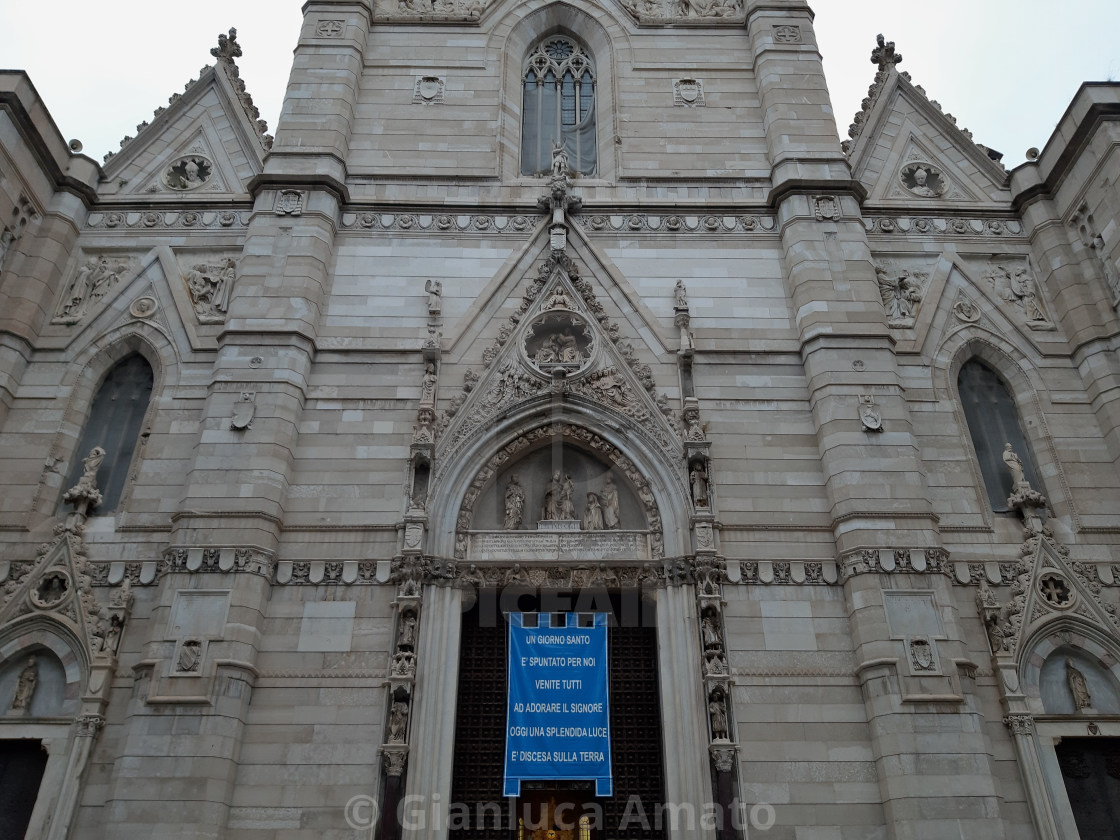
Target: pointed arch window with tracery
[[558, 106]]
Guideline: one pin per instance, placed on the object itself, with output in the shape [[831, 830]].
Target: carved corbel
[[395, 757]]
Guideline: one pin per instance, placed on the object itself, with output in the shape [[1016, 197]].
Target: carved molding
[[706, 12], [897, 561], [218, 561], [168, 220], [440, 222], [947, 225], [706, 224]]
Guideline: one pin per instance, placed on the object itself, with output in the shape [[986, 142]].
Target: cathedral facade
[[570, 315]]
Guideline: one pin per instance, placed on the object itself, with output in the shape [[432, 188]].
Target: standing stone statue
[[710, 631], [698, 478], [1078, 687], [515, 504], [25, 686], [1015, 465], [550, 511], [428, 384], [566, 509], [681, 295], [398, 722], [407, 637], [593, 516], [609, 501], [434, 288], [719, 718]]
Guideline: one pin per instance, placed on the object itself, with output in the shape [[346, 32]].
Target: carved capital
[[1020, 724], [723, 757], [394, 757], [87, 726]]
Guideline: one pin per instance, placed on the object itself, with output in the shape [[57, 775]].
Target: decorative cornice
[[949, 226], [896, 561], [672, 223], [182, 219], [513, 224], [241, 560]]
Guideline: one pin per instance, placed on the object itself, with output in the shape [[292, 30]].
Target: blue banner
[[558, 723]]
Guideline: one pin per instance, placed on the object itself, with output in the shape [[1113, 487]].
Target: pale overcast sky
[[1006, 69]]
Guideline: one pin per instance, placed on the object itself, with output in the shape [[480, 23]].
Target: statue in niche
[[92, 282], [25, 686], [923, 180], [593, 515], [398, 722], [698, 478], [210, 287], [1015, 465], [434, 288], [559, 347], [709, 629], [608, 498], [558, 338], [567, 508], [406, 637], [428, 383], [1078, 687], [190, 657], [899, 294], [1019, 290], [515, 504], [718, 713], [187, 173]]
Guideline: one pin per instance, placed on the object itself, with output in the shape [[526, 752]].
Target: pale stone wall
[[293, 541]]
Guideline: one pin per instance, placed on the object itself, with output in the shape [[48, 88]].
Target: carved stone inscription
[[619, 545]]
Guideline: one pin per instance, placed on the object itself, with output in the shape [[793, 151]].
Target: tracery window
[[993, 422], [115, 421], [559, 107]]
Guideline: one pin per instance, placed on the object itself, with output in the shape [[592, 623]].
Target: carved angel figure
[[899, 294]]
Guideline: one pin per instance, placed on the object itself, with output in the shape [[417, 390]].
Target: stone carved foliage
[[209, 286], [669, 11], [92, 281], [1017, 288], [576, 435]]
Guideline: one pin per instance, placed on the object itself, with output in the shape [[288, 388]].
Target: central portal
[[559, 806]]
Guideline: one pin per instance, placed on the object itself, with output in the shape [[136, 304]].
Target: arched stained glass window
[[115, 421], [993, 422], [559, 107]]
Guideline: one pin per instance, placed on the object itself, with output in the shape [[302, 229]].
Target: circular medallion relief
[[923, 179], [52, 590], [1055, 590], [187, 173], [143, 307], [558, 338]]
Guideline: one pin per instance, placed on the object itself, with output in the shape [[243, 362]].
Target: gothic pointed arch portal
[[533, 478]]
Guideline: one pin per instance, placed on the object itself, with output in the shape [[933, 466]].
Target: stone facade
[[394, 377]]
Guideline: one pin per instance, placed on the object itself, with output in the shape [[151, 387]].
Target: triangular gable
[[203, 146], [153, 287], [561, 327], [901, 130], [1057, 588]]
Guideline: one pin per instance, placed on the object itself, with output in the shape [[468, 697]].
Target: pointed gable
[[906, 151], [208, 143]]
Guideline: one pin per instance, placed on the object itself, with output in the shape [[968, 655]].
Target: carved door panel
[[635, 734], [21, 770], [1091, 771]]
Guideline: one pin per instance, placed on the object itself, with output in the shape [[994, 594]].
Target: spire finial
[[884, 55]]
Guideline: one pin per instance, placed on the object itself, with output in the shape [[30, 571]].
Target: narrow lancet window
[[559, 107]]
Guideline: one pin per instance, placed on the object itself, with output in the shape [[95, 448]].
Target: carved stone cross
[[884, 55]]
